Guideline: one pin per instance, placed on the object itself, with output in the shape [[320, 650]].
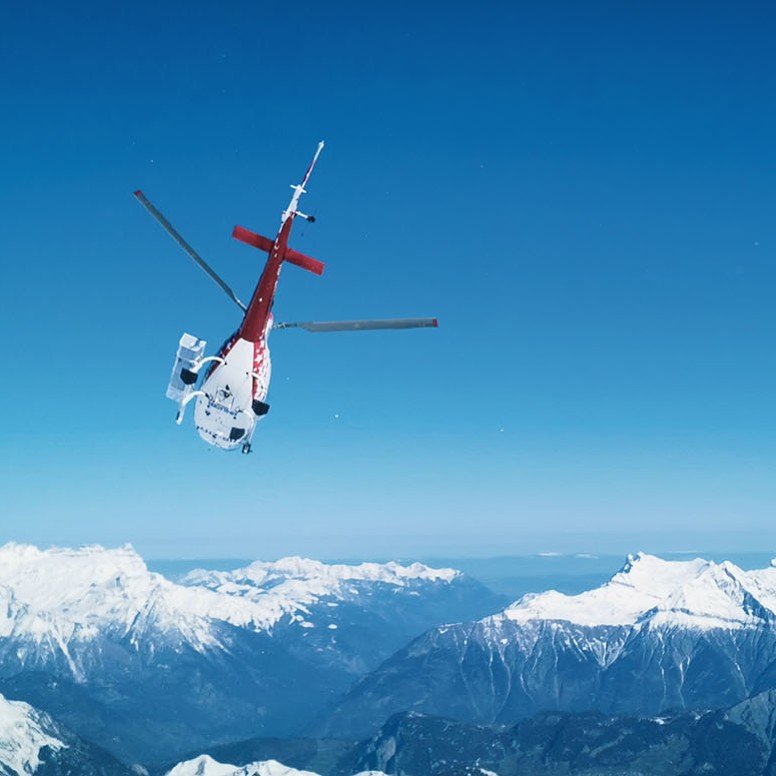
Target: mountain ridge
[[96, 638], [658, 635]]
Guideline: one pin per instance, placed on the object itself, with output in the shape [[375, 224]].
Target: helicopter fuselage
[[234, 391]]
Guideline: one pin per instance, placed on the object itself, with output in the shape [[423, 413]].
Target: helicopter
[[233, 384]]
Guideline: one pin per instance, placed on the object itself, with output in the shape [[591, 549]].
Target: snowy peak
[[51, 599], [391, 573], [651, 591], [204, 765], [23, 733], [290, 586], [58, 596], [327, 577]]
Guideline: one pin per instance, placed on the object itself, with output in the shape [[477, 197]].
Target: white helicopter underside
[[224, 414]]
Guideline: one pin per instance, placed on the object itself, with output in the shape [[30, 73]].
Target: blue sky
[[583, 193]]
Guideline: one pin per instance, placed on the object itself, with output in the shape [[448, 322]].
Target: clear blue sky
[[584, 193]]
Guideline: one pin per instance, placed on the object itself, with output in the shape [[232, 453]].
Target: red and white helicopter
[[233, 391]]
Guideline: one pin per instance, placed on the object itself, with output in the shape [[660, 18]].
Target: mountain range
[[659, 635], [739, 741], [150, 668], [339, 669], [735, 742]]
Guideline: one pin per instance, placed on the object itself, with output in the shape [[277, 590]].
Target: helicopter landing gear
[[246, 448], [260, 408], [188, 377]]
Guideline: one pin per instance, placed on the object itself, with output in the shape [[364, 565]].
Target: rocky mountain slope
[[740, 741], [350, 617], [31, 742], [659, 635]]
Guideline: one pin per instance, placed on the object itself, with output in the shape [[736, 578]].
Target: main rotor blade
[[170, 229], [386, 323]]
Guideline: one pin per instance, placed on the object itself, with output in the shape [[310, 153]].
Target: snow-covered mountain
[[696, 594], [58, 596], [207, 766], [348, 617], [127, 657], [23, 733], [293, 583], [31, 742], [658, 635]]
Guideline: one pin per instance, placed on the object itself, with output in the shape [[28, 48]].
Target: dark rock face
[[554, 744], [80, 759], [379, 619], [499, 671], [740, 741], [144, 707], [415, 744]]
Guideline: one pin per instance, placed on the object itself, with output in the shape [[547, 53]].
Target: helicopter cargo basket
[[188, 357]]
